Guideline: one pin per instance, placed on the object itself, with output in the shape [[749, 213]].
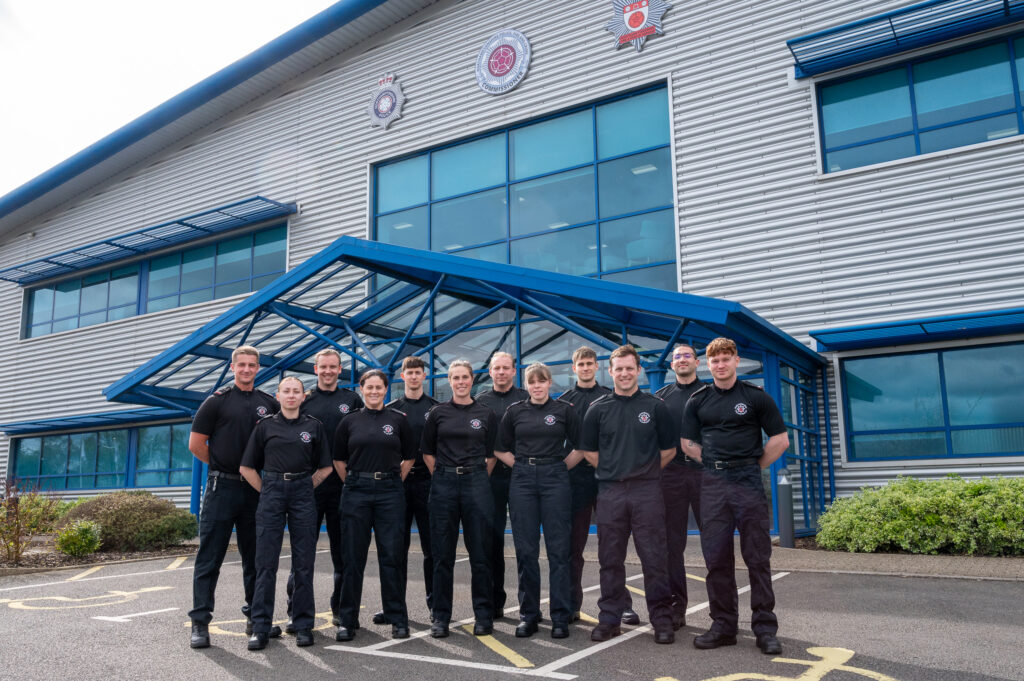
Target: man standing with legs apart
[[722, 426], [502, 394], [628, 437], [681, 479], [220, 431]]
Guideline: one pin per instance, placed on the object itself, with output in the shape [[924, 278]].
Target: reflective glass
[[468, 220], [269, 251], [109, 481], [407, 228], [402, 184], [234, 259], [569, 251], [983, 384], [963, 85], [55, 455], [476, 346], [164, 275], [39, 330], [492, 253], [94, 292], [124, 286], [65, 303], [660, 276], [468, 166], [197, 268], [82, 459], [546, 342], [154, 448], [895, 392], [112, 452], [988, 441], [180, 456], [638, 240], [93, 318], [897, 446], [180, 477], [553, 201], [41, 305], [788, 405], [969, 133], [635, 183], [200, 296], [866, 108], [232, 289], [28, 454], [150, 479], [162, 304], [65, 324], [121, 312], [633, 123], [559, 143], [1018, 51], [867, 154]]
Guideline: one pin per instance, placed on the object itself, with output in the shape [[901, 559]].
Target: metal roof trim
[[107, 419]]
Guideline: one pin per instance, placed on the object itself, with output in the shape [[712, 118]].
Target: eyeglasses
[[683, 355]]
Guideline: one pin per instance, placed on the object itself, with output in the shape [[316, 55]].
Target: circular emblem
[[388, 429], [549, 419], [476, 424], [305, 437], [502, 62], [261, 411], [740, 408], [644, 417], [343, 408], [636, 20], [386, 102]]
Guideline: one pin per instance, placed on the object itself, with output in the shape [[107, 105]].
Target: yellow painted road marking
[[639, 592], [831, 659], [176, 563], [85, 573], [699, 579], [218, 627], [584, 617], [500, 648], [109, 598]]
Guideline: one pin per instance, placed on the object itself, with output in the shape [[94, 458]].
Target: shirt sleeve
[[428, 442], [572, 429], [406, 435], [323, 452], [668, 433], [358, 404], [506, 434], [206, 417], [690, 427], [341, 441], [492, 435], [252, 457], [770, 417], [591, 429]]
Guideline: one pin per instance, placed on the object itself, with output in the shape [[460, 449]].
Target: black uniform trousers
[[539, 496], [583, 486], [500, 480], [328, 499], [291, 503], [734, 499], [417, 507], [632, 506], [227, 504], [377, 506], [680, 485], [465, 498]]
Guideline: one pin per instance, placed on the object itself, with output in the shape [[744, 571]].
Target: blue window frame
[[151, 456], [238, 264], [951, 100], [957, 402], [586, 192]]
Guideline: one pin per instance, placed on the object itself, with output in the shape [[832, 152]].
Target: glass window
[[634, 123], [154, 448], [635, 183], [867, 154], [545, 147], [866, 108], [898, 446], [27, 457], [94, 293], [406, 228], [268, 253], [55, 457], [234, 259], [41, 305], [468, 166], [638, 240], [660, 276], [988, 441], [983, 384], [181, 457], [569, 251], [969, 133], [402, 184], [112, 453], [553, 201], [197, 268], [898, 391], [468, 220], [66, 297], [963, 85], [492, 253], [82, 461]]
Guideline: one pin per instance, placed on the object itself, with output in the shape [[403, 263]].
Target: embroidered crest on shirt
[[261, 411], [644, 417], [476, 424], [388, 429], [740, 408], [549, 419], [305, 437], [343, 408]]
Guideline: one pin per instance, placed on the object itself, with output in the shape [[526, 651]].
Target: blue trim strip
[[107, 419]]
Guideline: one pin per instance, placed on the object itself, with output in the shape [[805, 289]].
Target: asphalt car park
[[130, 621]]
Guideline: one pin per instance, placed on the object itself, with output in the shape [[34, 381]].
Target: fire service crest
[[636, 20], [386, 103]]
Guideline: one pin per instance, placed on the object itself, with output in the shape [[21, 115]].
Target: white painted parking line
[[453, 663]]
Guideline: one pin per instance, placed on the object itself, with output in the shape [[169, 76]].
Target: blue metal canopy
[[234, 215], [307, 309], [973, 325], [918, 25], [94, 421]]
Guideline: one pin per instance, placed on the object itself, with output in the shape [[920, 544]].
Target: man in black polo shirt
[[503, 394], [628, 437], [329, 404], [681, 479], [220, 431], [722, 426]]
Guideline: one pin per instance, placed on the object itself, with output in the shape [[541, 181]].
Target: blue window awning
[[234, 215], [915, 26], [952, 327], [102, 420]]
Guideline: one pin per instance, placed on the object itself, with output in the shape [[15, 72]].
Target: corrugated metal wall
[[758, 223]]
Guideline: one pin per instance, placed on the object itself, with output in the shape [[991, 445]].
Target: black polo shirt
[[539, 430], [499, 403], [581, 399], [460, 434], [227, 418], [374, 441], [330, 407], [416, 412], [628, 432], [283, 445], [728, 423], [675, 396]]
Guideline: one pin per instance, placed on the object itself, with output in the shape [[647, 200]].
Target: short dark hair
[[625, 351], [413, 362], [373, 373]]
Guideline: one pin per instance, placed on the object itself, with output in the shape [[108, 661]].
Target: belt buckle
[[531, 460], [719, 466], [378, 476], [287, 476], [460, 470]]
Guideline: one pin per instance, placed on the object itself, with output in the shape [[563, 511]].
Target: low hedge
[[982, 517], [135, 521], [79, 538]]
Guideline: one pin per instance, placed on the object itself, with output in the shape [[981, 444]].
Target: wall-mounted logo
[[386, 103], [636, 20], [503, 62]]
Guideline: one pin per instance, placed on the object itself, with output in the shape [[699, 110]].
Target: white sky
[[73, 71]]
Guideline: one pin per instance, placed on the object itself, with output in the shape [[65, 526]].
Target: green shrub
[[79, 538], [952, 515], [24, 513], [135, 521]]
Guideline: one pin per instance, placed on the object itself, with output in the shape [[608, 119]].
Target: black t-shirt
[[499, 404], [374, 441], [628, 432], [283, 445], [330, 407], [581, 399], [416, 412], [675, 396], [227, 418], [539, 430], [728, 423], [460, 434]]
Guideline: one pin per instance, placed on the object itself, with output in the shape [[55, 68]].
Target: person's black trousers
[[291, 503], [624, 507], [735, 499], [328, 500], [539, 495], [680, 486], [583, 486], [467, 498], [500, 479], [417, 507], [369, 505], [227, 505]]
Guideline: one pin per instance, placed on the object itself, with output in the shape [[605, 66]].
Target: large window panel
[[460, 222], [468, 166], [82, 461], [234, 260], [638, 240], [27, 455], [963, 85], [900, 391], [492, 253], [660, 276], [549, 146], [635, 183], [405, 228], [868, 154], [165, 275], [634, 123], [66, 299], [969, 133], [983, 385], [898, 446], [553, 201], [569, 251], [403, 184], [866, 108]]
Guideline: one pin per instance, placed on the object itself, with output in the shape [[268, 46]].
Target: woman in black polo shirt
[[532, 441], [373, 452], [458, 447]]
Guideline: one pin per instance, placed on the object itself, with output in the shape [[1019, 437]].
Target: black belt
[[460, 470], [373, 476], [226, 476], [269, 475], [687, 462], [720, 465], [540, 460]]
